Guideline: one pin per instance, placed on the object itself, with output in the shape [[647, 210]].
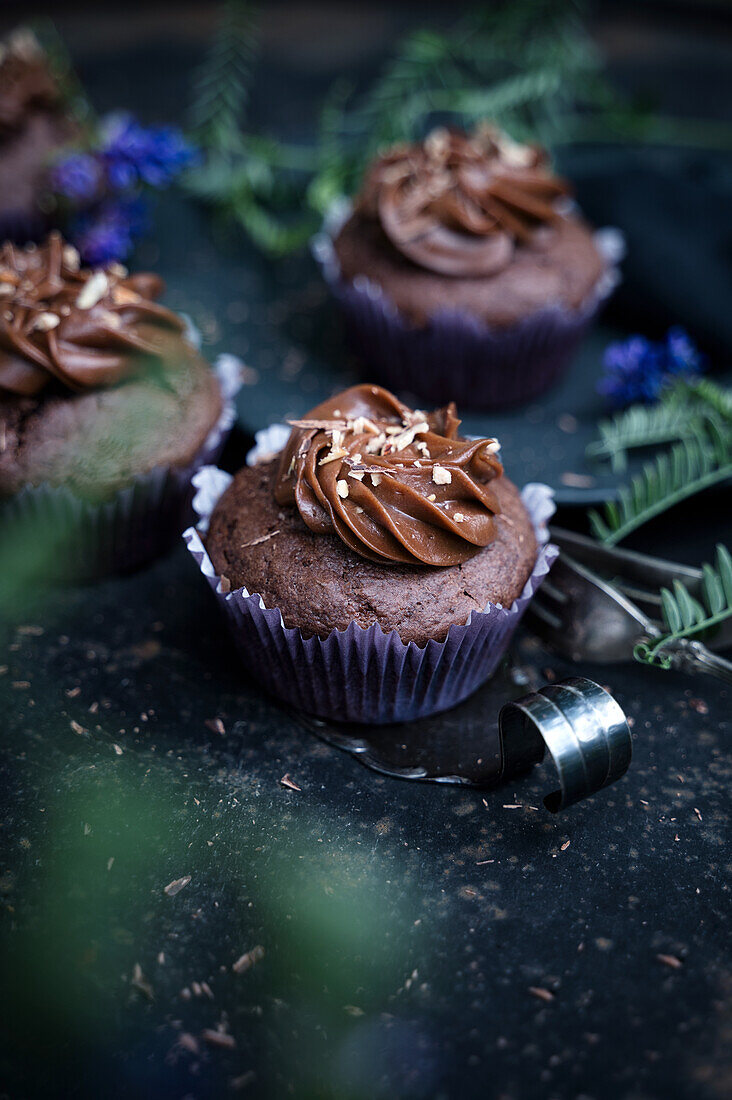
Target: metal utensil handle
[[695, 657], [584, 730]]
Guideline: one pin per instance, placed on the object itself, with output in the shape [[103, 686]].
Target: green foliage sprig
[[529, 65], [683, 412], [221, 84], [686, 617], [689, 467]]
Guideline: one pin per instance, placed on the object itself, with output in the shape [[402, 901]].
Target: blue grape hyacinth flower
[[637, 370], [103, 187], [133, 154], [108, 232], [77, 177]]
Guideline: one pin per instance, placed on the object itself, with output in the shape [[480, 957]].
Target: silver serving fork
[[596, 605]]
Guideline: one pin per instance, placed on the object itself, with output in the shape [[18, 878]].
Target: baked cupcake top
[[77, 327], [460, 204], [397, 485], [98, 381]]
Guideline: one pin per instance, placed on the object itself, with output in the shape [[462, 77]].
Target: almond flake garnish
[[6, 289], [44, 322], [93, 290], [332, 456], [458, 517], [72, 259], [361, 425], [432, 497], [357, 474], [374, 445], [376, 479], [492, 446], [342, 489], [123, 296], [441, 475], [406, 437]]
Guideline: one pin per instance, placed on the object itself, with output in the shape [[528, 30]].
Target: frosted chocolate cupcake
[[464, 270], [35, 123], [381, 561], [104, 403]]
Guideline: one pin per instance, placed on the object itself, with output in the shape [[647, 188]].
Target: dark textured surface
[[399, 961]]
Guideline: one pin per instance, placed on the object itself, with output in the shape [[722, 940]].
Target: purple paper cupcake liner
[[140, 522], [456, 356], [364, 674]]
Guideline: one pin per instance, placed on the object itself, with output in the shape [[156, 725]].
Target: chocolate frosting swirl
[[459, 204], [395, 484], [26, 82], [85, 328]]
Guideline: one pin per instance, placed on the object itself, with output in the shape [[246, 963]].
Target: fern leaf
[[685, 617], [221, 84], [691, 466], [643, 426]]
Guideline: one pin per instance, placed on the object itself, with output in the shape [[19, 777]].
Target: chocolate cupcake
[[106, 408], [375, 569], [464, 270], [35, 123]]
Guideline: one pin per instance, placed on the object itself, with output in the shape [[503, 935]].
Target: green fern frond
[[644, 426], [688, 468], [710, 394], [266, 230], [221, 84], [684, 616], [682, 413]]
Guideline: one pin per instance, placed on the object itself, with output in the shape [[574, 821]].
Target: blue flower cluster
[[103, 186], [637, 370]]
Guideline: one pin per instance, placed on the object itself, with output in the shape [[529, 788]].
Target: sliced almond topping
[[44, 322], [332, 456], [72, 259], [492, 446], [458, 517], [361, 425], [123, 296], [376, 443], [441, 475], [357, 474], [432, 497], [342, 489], [376, 479], [93, 290]]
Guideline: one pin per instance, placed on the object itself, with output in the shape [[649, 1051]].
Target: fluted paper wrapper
[[140, 522], [359, 674], [457, 356]]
